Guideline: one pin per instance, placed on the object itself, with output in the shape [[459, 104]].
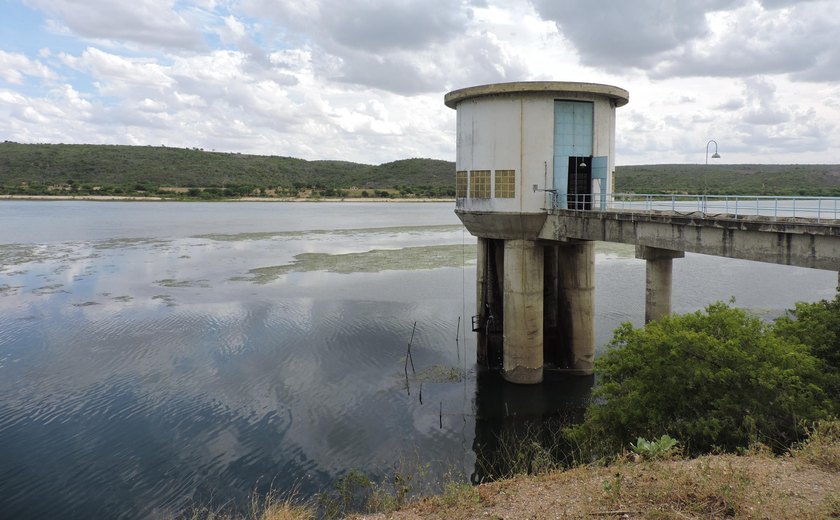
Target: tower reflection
[[518, 427]]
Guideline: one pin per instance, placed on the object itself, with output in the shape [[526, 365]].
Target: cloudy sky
[[363, 80]]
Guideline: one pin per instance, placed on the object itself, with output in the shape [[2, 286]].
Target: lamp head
[[715, 155]]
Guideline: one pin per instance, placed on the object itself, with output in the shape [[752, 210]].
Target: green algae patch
[[50, 289], [374, 261], [86, 304], [254, 235], [121, 243], [440, 374], [263, 275], [9, 290], [16, 254], [268, 235], [170, 282], [165, 298]]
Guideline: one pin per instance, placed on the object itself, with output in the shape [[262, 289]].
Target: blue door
[[573, 130]]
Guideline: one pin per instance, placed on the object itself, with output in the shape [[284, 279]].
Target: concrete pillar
[[552, 353], [523, 312], [658, 266], [481, 299], [576, 288]]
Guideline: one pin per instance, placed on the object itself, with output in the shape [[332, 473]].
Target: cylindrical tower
[[525, 149]]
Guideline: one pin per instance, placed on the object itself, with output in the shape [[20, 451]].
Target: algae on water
[[440, 374], [9, 290], [376, 260], [170, 282], [266, 235]]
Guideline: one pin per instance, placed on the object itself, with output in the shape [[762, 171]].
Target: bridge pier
[[535, 306], [576, 306], [523, 312], [658, 269]]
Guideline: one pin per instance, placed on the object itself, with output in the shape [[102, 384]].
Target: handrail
[[777, 207]]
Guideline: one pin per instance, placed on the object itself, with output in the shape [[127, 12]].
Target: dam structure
[[534, 183]]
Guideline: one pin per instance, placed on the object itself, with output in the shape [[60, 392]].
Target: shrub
[[717, 380], [816, 325]]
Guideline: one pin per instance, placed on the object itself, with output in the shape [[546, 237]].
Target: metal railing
[[814, 208]]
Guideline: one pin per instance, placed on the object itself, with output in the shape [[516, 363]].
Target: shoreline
[[120, 198]]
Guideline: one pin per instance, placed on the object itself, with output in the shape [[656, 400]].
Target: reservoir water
[[155, 356]]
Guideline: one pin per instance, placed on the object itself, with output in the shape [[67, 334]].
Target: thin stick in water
[[457, 336], [408, 353]]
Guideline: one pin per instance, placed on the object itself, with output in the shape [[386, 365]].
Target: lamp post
[[714, 156]]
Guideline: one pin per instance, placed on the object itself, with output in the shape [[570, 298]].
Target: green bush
[[816, 325], [716, 380]]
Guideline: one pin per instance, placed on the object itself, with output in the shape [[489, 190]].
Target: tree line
[[194, 173]]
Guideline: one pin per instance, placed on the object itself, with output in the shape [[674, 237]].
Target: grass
[[823, 446], [273, 506], [802, 484]]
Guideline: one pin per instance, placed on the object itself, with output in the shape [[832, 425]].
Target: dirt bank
[[727, 486]]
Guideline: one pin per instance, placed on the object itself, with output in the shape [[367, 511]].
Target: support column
[[658, 267], [481, 300], [576, 270], [523, 312], [552, 353]]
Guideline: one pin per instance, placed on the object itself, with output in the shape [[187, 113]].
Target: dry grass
[[270, 507], [823, 446], [802, 485]]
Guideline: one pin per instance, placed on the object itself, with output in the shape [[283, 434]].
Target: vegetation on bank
[[180, 173], [712, 414], [718, 381], [816, 180], [177, 173]]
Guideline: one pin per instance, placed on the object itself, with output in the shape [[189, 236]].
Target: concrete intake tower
[[524, 150]]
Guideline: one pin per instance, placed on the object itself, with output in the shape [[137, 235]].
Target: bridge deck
[[799, 241]]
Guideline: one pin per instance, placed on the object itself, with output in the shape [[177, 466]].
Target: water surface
[[158, 355]]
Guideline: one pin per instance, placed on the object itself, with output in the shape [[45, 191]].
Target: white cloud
[[153, 23], [752, 40], [618, 35], [364, 81], [14, 67]]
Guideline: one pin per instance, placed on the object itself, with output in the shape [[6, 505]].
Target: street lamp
[[715, 155]]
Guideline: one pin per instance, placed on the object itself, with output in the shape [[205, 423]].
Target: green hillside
[[734, 179], [36, 169], [42, 168]]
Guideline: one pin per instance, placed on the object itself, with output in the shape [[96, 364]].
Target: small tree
[[714, 380], [817, 326]]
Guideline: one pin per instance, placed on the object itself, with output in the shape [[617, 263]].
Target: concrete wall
[[507, 132]]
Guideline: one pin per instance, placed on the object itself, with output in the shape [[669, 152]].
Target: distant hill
[[164, 166], [731, 179], [116, 169]]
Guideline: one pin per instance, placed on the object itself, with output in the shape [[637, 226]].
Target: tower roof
[[557, 88]]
